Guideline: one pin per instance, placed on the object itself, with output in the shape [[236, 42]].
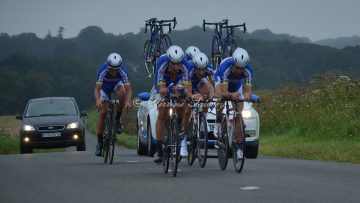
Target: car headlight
[[72, 125], [28, 128], [246, 114]]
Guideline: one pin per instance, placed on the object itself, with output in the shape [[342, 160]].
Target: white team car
[[147, 115]]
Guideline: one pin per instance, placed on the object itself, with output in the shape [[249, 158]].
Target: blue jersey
[[224, 73], [194, 79], [108, 82], [162, 75]]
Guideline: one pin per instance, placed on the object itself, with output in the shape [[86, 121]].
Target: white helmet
[[175, 54], [241, 57], [114, 60], [191, 51], [201, 60]]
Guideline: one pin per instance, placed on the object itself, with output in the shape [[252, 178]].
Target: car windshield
[[50, 108]]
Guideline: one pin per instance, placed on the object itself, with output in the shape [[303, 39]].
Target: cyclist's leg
[[101, 122], [183, 111], [206, 89], [219, 90], [120, 93], [238, 88], [160, 129]]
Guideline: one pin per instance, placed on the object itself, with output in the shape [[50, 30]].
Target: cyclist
[[228, 85], [201, 76], [171, 77], [112, 77], [191, 51]]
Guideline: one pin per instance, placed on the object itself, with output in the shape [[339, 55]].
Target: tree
[[61, 32]]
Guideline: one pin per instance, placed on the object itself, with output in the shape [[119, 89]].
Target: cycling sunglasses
[[113, 68], [175, 64]]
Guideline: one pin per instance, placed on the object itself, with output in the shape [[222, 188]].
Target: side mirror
[[145, 96], [19, 117], [83, 114], [254, 98]]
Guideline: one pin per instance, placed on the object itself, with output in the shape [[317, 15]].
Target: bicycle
[[171, 148], [158, 42], [198, 134], [230, 127], [109, 132], [217, 47], [229, 43]]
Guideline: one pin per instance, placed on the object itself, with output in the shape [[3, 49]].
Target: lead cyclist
[[228, 85]]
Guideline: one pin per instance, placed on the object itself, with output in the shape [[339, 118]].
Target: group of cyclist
[[181, 74]]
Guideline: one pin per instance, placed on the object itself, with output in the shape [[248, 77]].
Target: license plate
[[211, 127], [57, 134]]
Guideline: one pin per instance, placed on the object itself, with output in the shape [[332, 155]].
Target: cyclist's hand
[[197, 97], [98, 103], [128, 105], [235, 96]]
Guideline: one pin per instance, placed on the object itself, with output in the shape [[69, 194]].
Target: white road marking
[[250, 188], [132, 161]]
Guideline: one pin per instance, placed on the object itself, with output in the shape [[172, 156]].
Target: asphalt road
[[81, 177]]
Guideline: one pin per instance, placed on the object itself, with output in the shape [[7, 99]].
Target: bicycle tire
[[165, 42], [202, 140], [106, 142], [149, 58], [112, 140], [192, 138], [223, 145], [174, 153], [166, 149], [216, 52], [229, 49], [239, 163]]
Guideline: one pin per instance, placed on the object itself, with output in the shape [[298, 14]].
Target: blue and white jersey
[[163, 76], [106, 79], [224, 73], [194, 79]]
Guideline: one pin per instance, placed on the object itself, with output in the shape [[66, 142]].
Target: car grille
[[50, 128]]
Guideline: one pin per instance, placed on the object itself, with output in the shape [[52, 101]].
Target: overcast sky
[[315, 19]]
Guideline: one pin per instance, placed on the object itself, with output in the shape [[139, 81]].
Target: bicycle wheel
[[149, 58], [106, 141], [229, 48], [192, 138], [202, 140], [112, 141], [165, 43], [166, 148], [216, 52], [174, 142], [223, 145], [239, 161]]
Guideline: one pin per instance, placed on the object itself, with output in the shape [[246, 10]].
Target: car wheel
[[251, 152], [81, 147], [141, 150], [150, 145], [26, 150]]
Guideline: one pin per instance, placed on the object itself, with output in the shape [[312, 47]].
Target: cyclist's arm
[[98, 86], [128, 95], [163, 90]]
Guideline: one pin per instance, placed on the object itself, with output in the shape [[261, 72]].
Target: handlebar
[[223, 22], [234, 26], [155, 22]]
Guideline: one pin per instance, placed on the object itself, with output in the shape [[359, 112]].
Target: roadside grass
[[128, 138], [9, 137], [320, 120]]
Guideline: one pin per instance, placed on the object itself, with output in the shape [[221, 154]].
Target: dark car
[[51, 122]]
